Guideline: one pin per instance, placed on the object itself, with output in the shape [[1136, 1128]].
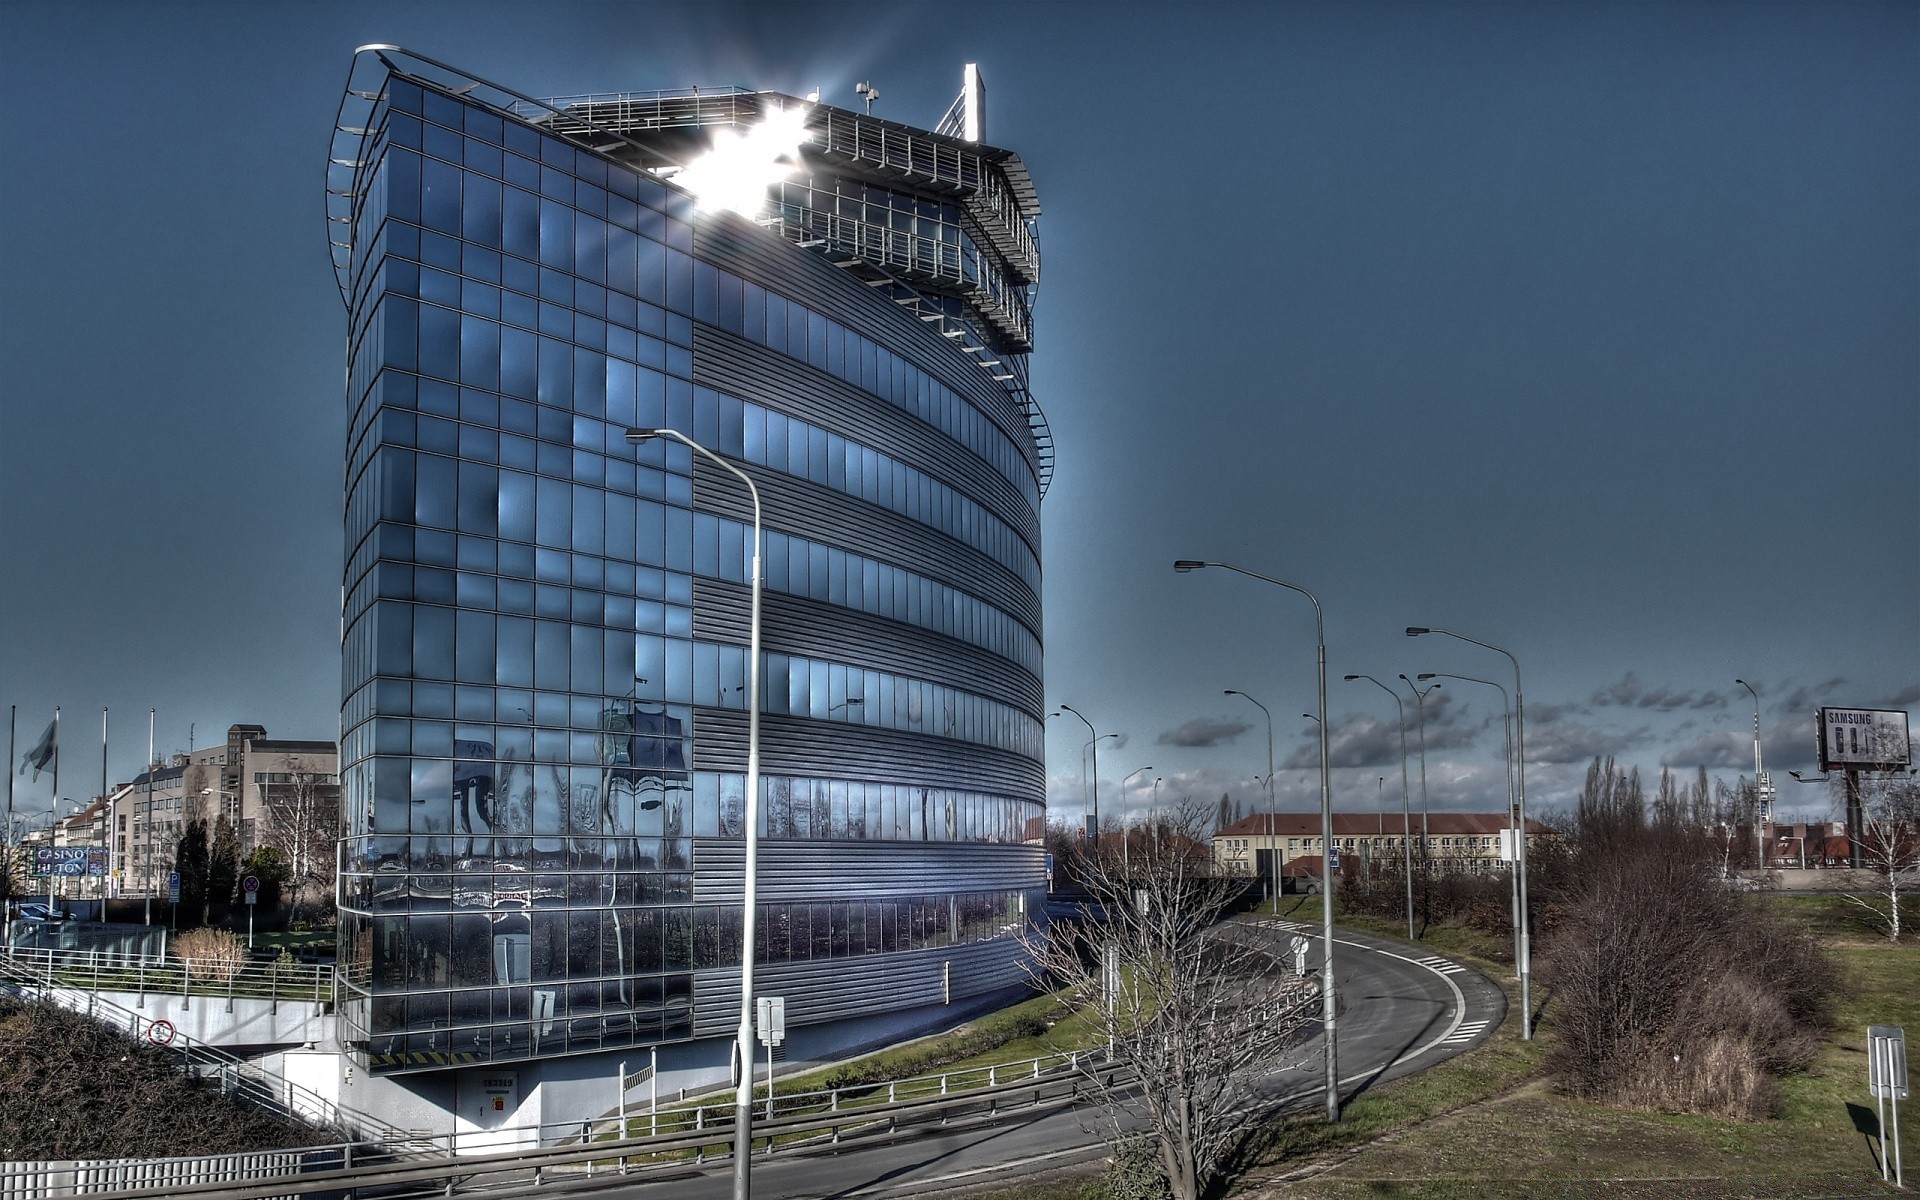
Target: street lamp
[[1328, 1019], [1126, 835], [1506, 724], [1520, 786], [1153, 811], [1759, 782], [1093, 820], [1273, 848], [1406, 806], [743, 1094], [1426, 810]]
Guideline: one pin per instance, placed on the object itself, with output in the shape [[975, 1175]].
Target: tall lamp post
[[1085, 753], [743, 1094], [1126, 835], [1093, 818], [1513, 810], [1759, 783], [1406, 804], [1273, 848], [1520, 782], [1426, 811], [1153, 812], [1328, 1020]]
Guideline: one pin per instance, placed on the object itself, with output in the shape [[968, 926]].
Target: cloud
[[1574, 742], [1629, 692], [1202, 732], [1906, 697], [1546, 714], [1803, 699], [1355, 741], [1723, 749]]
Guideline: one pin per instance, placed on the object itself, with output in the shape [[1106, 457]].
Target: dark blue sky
[[1590, 330]]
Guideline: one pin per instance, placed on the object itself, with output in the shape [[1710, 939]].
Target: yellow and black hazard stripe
[[415, 1059]]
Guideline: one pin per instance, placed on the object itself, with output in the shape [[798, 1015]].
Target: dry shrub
[[1478, 900], [1672, 991], [211, 955], [1721, 1078], [78, 1090]]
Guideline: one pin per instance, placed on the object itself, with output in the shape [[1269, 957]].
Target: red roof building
[[1271, 843]]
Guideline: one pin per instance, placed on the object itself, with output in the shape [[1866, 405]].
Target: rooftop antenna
[[868, 92], [973, 101]]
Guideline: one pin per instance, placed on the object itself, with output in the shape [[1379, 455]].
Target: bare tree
[[1889, 847], [300, 817], [1197, 1011]]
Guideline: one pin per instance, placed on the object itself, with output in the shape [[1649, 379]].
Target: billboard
[[69, 862], [1862, 739]]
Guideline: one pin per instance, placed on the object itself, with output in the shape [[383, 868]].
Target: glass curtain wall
[[520, 677]]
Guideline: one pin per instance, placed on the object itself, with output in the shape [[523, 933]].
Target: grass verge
[[1530, 1141], [1018, 1033]]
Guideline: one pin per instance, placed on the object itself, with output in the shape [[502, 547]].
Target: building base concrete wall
[[547, 1101], [231, 1024]]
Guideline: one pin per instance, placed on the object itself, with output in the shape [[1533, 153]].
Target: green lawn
[[1015, 1034], [1529, 1141]]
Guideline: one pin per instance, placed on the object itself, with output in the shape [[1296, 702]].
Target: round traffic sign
[[251, 883], [161, 1032]]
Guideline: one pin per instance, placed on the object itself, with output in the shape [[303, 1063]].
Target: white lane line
[[1094, 1150], [1467, 1033], [1459, 997]]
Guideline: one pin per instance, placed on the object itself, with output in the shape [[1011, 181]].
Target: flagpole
[[107, 817], [54, 808], [149, 824]]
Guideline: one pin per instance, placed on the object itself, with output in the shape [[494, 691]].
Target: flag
[[43, 753]]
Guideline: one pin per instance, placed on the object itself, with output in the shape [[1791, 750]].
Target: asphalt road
[[1401, 1011]]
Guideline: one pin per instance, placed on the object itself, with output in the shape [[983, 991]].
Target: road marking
[[1435, 962], [1098, 1150], [1466, 1033], [1459, 997]]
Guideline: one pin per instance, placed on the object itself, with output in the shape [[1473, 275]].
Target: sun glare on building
[[735, 174]]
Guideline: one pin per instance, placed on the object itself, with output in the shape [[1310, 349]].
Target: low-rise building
[[1264, 844], [242, 779]]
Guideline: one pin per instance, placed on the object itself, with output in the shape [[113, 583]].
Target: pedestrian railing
[[715, 1109], [87, 1177], [138, 974]]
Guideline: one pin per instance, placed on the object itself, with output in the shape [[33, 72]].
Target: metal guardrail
[[683, 1117], [96, 971], [523, 1171]]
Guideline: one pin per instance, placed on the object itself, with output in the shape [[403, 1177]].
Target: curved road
[[1401, 1011]]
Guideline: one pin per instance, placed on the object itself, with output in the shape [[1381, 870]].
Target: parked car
[[41, 912]]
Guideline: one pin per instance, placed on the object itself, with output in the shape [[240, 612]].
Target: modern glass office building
[[544, 628]]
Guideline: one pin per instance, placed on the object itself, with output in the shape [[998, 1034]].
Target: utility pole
[[1760, 787]]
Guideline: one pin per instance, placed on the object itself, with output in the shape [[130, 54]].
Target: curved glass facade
[[544, 629]]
